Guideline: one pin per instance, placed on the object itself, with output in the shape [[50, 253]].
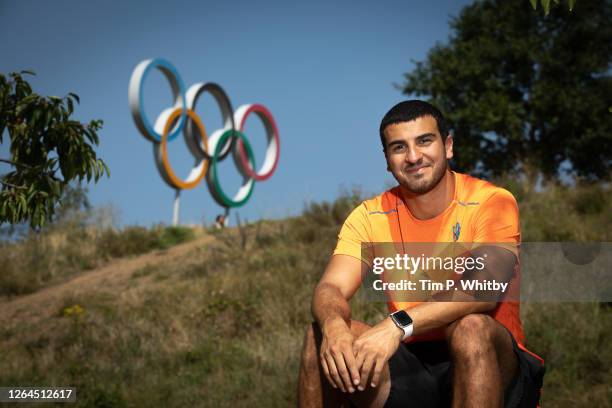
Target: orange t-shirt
[[479, 213]]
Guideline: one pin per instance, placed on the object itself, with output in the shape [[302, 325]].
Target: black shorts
[[421, 377]]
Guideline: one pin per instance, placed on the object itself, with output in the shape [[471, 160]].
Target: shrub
[[130, 241], [170, 236], [64, 249]]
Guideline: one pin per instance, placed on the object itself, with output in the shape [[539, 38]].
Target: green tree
[[73, 203], [48, 150], [546, 4], [526, 93]]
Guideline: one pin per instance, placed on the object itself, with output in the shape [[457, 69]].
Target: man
[[425, 354]]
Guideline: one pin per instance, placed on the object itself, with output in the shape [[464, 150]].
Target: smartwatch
[[403, 321]]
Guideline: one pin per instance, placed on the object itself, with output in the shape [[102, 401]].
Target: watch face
[[402, 318]]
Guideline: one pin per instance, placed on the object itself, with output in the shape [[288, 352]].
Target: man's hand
[[374, 348], [337, 356]]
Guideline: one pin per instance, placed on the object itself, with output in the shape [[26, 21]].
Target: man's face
[[416, 155]]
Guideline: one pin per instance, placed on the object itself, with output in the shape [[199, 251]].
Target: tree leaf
[[75, 97]]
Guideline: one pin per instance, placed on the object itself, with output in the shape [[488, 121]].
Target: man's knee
[[312, 340], [471, 336], [311, 332]]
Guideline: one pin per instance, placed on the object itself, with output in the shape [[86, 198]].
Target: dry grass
[[44, 258], [224, 328]]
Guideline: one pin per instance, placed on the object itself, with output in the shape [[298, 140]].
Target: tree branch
[[12, 185], [16, 164]]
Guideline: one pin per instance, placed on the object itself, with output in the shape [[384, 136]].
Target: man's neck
[[434, 202]]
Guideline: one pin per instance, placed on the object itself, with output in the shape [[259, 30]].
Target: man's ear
[[386, 159], [448, 146]]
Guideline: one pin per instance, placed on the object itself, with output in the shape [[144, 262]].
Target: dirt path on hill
[[112, 277]]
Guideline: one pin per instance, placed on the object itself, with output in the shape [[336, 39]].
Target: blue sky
[[324, 69]]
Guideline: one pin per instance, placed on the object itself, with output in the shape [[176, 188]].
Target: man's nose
[[413, 155]]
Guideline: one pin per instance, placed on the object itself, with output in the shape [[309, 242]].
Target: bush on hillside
[[37, 259]]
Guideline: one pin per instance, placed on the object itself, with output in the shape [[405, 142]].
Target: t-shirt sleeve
[[498, 221], [355, 231]]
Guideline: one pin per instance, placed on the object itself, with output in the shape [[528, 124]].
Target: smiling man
[[433, 353]]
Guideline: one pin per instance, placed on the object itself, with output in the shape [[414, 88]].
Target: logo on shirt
[[456, 231]]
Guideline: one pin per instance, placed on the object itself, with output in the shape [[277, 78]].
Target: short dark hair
[[411, 110]]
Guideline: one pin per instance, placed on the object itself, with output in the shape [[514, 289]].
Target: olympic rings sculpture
[[207, 150]]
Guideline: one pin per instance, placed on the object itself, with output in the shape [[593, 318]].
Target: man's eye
[[425, 141], [399, 148]]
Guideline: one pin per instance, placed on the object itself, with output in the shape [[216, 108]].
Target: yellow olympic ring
[[199, 171]]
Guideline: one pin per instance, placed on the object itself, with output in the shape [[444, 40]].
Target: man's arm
[[434, 315], [332, 312], [374, 347]]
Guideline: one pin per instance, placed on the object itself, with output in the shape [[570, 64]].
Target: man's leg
[[483, 361], [314, 389]]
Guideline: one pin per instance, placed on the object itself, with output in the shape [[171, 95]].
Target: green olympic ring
[[212, 178]]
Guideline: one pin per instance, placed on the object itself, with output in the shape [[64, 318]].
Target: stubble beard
[[422, 186]]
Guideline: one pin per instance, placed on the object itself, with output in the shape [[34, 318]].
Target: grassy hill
[[216, 318]]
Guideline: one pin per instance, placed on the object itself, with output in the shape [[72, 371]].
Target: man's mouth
[[416, 169]]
